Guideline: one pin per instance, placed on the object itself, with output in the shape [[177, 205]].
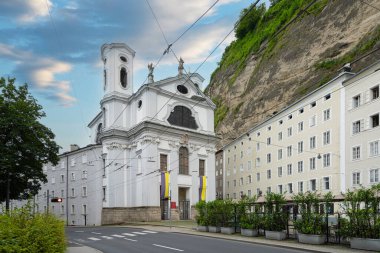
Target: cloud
[[40, 73], [25, 11]]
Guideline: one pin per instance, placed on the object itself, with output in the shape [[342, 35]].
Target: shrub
[[202, 216], [275, 218], [227, 213], [22, 231], [214, 212], [363, 218], [247, 213]]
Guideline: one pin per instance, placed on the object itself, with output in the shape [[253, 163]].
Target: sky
[[54, 47]]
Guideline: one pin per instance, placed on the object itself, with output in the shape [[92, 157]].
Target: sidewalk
[[188, 227], [81, 249]]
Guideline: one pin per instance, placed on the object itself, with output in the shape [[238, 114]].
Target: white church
[[152, 156]]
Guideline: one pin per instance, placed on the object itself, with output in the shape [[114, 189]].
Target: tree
[[25, 143]]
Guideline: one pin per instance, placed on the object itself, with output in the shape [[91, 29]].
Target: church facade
[[155, 148]]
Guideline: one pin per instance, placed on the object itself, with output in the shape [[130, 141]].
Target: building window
[[300, 186], [241, 181], [356, 178], [72, 176], [201, 167], [356, 101], [289, 166], [326, 160], [84, 209], [312, 163], [375, 92], [183, 161], [258, 192], [312, 142], [84, 174], [269, 174], [257, 146], [72, 209], [313, 184], [280, 122], [104, 167], [326, 183], [301, 111], [280, 136], [290, 187], [139, 165], [241, 167], [313, 104], [249, 179], [279, 187], [53, 180], [300, 126], [279, 154], [374, 176], [326, 114], [234, 169], [356, 153], [72, 162], [249, 193], [241, 154], [375, 120], [328, 96], [62, 164], [84, 158], [289, 151], [249, 165], [62, 193], [269, 158], [104, 193], [182, 116], [269, 189], [326, 138], [123, 77], [313, 121], [290, 132], [234, 157], [356, 127], [374, 148], [164, 162], [279, 171], [84, 191], [300, 147], [73, 192], [52, 194], [300, 166], [268, 141], [62, 209], [257, 177], [258, 162], [269, 128], [234, 182]]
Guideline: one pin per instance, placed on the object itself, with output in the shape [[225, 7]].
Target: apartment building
[[219, 174], [362, 128], [296, 150]]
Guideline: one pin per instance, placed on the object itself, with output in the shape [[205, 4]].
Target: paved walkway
[[78, 248]]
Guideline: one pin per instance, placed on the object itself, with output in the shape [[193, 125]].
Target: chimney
[[73, 147]]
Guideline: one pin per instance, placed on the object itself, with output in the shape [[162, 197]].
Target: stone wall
[[119, 215]]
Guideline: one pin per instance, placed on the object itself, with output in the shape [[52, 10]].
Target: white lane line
[[139, 233], [80, 240], [162, 246], [150, 232], [128, 234], [118, 236], [94, 239], [106, 237], [130, 240], [96, 233]]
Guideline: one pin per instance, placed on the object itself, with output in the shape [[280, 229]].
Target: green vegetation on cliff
[[257, 26]]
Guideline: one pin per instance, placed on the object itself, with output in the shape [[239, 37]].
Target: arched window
[[183, 161], [181, 116], [105, 78], [104, 117], [98, 132], [123, 77]]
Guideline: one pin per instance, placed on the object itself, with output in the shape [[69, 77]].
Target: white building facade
[[166, 126], [362, 128]]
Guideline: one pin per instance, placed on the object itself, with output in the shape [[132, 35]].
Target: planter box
[[213, 229], [311, 239], [275, 235], [249, 232], [228, 230], [365, 243], [202, 228]]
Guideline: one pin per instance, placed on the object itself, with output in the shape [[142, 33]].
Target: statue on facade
[[150, 75], [180, 66]]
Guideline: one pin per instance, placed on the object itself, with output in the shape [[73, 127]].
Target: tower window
[[123, 77], [123, 59], [139, 104], [105, 78]]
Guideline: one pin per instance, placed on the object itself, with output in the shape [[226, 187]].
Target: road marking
[[158, 245], [128, 234], [94, 239], [106, 237], [80, 240], [130, 239], [96, 233], [139, 233], [79, 231], [119, 236], [150, 232]]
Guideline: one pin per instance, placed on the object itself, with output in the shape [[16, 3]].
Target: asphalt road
[[130, 240]]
